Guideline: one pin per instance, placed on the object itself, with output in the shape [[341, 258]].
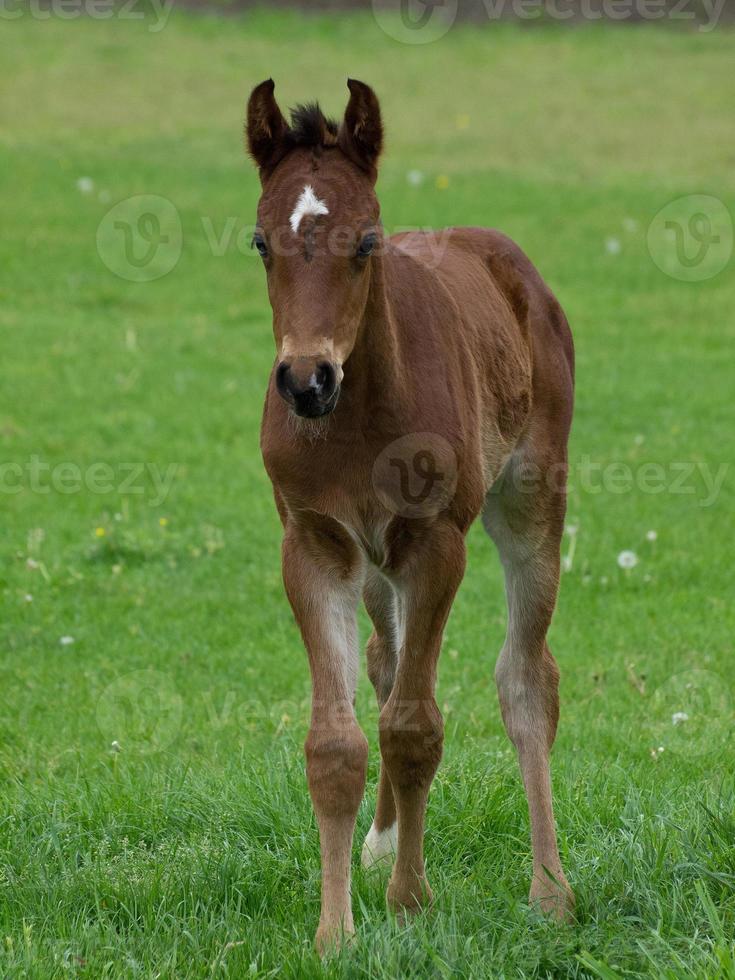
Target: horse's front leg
[[427, 572], [323, 572]]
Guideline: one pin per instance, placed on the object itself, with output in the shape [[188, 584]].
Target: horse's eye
[[259, 243], [366, 246]]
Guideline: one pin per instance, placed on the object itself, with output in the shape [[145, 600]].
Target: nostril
[[283, 379], [326, 378]]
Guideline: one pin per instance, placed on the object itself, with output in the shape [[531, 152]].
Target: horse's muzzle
[[310, 387]]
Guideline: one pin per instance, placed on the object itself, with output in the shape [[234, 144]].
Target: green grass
[[192, 851]]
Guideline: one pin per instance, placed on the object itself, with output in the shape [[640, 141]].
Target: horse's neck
[[375, 363]]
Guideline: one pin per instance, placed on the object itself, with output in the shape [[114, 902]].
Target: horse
[[419, 382]]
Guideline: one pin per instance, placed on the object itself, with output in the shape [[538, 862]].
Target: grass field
[[154, 695]]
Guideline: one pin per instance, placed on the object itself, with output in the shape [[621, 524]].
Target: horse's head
[[317, 225]]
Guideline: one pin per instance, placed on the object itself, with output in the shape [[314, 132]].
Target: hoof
[[333, 938], [553, 897], [379, 848], [407, 898]]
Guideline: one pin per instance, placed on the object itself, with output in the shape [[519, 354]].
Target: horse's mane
[[311, 128]]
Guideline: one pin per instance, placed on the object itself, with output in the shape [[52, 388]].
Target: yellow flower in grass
[[163, 521], [442, 182], [99, 532]]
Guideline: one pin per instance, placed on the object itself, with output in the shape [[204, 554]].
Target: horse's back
[[508, 328]]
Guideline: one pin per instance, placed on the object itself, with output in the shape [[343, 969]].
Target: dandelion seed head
[[627, 559]]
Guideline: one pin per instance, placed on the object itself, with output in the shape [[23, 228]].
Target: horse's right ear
[[265, 127]]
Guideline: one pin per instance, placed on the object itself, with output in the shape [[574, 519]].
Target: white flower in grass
[[66, 641], [627, 560], [115, 746], [651, 535], [571, 530], [678, 717], [415, 177], [85, 185], [28, 597], [612, 246], [566, 563]]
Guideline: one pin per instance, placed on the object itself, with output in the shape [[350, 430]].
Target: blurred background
[[154, 693]]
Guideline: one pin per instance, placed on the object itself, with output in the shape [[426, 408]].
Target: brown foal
[[415, 387]]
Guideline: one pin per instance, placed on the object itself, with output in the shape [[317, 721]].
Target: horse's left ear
[[361, 133]]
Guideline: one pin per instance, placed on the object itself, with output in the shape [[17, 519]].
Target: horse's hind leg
[[526, 524], [382, 604]]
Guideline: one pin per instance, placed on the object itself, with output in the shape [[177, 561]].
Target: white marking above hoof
[[380, 846], [308, 203]]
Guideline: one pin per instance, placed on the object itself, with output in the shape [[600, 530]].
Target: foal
[[413, 389]]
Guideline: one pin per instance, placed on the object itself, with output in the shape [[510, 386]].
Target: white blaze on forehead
[[308, 203]]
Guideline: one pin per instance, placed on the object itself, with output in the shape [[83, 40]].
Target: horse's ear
[[361, 133], [265, 127]]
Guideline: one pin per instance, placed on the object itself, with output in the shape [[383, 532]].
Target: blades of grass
[[598, 968]]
